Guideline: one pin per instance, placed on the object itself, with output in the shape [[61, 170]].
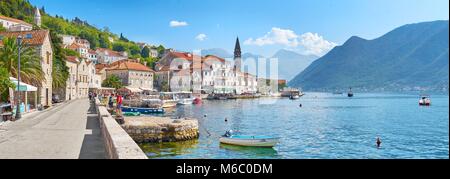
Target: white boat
[[185, 98], [169, 99], [294, 97], [249, 141], [185, 101], [425, 100]]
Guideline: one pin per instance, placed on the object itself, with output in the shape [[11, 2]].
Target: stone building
[[132, 74], [12, 24], [108, 56], [40, 40]]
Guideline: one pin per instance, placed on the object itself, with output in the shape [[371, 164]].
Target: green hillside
[[411, 57]]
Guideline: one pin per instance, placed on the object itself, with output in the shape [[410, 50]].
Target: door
[[46, 96]]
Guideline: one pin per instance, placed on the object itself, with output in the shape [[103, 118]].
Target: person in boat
[[378, 142]]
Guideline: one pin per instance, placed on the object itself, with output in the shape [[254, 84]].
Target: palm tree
[[112, 82], [30, 63]]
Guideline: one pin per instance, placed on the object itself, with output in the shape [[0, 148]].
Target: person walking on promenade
[[110, 101], [119, 101]]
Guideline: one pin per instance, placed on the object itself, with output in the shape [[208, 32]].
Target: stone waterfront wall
[[160, 129], [118, 144]]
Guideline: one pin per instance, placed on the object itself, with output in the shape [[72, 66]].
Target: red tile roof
[[37, 36], [14, 20], [72, 59], [212, 57], [129, 65], [109, 51]]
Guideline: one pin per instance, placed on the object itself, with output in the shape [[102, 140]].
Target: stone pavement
[[68, 131]]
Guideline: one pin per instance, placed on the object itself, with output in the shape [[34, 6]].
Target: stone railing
[[118, 144]]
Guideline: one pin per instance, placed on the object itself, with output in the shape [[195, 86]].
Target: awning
[[133, 90], [23, 86], [146, 89]]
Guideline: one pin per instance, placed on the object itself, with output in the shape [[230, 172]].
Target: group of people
[[117, 98], [119, 101]]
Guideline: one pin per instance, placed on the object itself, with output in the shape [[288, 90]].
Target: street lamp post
[[19, 42]]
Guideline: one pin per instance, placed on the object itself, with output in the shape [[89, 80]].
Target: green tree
[[60, 72], [145, 53], [160, 49], [30, 63], [112, 82], [5, 83], [2, 29], [122, 38]]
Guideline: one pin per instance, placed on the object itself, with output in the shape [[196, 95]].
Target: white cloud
[[276, 36], [201, 37], [312, 43], [316, 44], [178, 23]]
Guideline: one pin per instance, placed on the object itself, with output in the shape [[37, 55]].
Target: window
[[48, 57]]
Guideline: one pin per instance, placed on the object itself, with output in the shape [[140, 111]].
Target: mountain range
[[411, 57], [290, 63]]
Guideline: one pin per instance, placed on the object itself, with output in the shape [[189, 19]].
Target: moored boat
[[249, 141], [185, 98], [294, 97], [142, 110], [197, 101], [425, 100], [350, 93]]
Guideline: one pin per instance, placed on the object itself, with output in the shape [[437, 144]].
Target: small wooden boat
[[249, 141], [143, 110], [425, 100]]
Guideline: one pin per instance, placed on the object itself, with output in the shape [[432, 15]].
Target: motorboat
[[169, 99], [294, 97], [425, 100], [185, 98], [185, 101], [142, 110], [249, 141]]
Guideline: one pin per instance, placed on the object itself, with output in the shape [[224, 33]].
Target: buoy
[[378, 142]]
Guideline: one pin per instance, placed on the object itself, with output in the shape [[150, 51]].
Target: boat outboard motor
[[228, 133]]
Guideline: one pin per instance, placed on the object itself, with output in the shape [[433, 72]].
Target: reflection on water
[[168, 149], [251, 151], [326, 126]]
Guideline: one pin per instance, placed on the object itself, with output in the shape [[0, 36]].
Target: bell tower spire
[[37, 17], [237, 55]]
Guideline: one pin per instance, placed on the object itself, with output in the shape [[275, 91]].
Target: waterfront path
[[70, 131]]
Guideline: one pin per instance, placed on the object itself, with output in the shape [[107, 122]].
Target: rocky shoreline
[[148, 129]]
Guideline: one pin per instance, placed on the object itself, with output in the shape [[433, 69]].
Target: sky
[[263, 26]]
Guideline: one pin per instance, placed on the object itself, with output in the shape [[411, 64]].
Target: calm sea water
[[327, 126]]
